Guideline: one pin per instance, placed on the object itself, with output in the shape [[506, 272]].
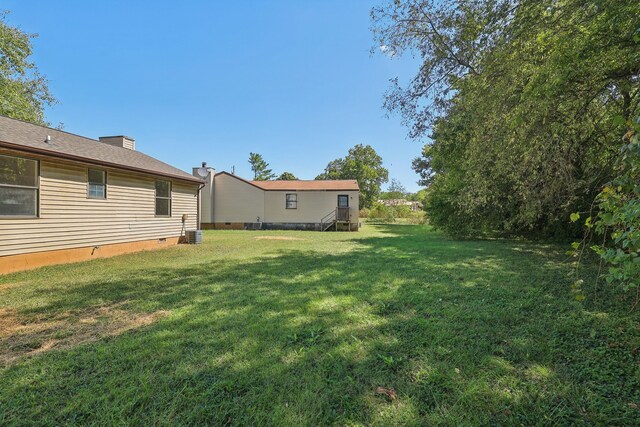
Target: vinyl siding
[[236, 201], [312, 206], [68, 219]]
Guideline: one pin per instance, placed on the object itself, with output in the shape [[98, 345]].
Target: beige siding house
[[66, 198], [230, 202]]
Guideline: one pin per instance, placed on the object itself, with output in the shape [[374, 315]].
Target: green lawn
[[302, 330]]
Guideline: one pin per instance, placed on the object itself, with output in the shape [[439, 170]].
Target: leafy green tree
[[614, 221], [24, 92], [519, 99], [619, 218], [363, 164], [333, 170], [287, 176], [395, 191], [422, 166], [260, 168]]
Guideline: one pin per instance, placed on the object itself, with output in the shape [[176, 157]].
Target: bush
[[401, 211], [418, 217], [442, 206], [617, 221], [381, 212]]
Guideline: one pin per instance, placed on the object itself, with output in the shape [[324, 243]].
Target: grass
[[394, 325]]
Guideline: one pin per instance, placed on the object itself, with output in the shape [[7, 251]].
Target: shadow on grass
[[465, 332]]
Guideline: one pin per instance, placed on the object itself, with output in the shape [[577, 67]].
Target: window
[[163, 198], [343, 201], [97, 184], [19, 187], [292, 201]]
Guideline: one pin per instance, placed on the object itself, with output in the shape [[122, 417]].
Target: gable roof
[[23, 136], [300, 185]]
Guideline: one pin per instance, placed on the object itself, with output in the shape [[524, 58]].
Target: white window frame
[[35, 188], [89, 184], [155, 207]]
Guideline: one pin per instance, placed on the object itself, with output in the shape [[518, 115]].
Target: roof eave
[[239, 179], [82, 159], [253, 184], [310, 189]]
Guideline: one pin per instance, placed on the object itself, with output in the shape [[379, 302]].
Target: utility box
[[194, 237]]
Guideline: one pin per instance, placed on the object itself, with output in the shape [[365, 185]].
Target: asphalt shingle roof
[[19, 135]]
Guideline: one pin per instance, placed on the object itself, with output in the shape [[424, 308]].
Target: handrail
[[327, 219], [339, 214]]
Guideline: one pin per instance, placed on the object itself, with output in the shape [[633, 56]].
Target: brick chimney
[[119, 141]]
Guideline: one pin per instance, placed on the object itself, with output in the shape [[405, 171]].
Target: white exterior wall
[[235, 201], [312, 206]]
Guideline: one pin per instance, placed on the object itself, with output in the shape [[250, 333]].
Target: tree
[[260, 168], [519, 99], [363, 164], [23, 90], [422, 166], [395, 191], [287, 176], [421, 196], [333, 170]]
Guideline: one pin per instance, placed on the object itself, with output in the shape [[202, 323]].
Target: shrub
[[401, 211], [617, 221], [418, 217], [381, 212]]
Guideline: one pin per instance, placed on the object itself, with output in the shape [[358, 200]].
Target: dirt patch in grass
[[22, 337], [277, 238], [7, 286]]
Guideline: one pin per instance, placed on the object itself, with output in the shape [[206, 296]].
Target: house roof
[[317, 185], [301, 185], [23, 136]]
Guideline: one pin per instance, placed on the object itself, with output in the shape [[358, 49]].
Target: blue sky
[[212, 81]]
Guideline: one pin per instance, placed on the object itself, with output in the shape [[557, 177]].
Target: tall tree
[[363, 164], [287, 176], [333, 170], [522, 99], [24, 92], [395, 191], [260, 168]]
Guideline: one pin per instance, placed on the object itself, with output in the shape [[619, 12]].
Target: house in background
[[66, 198], [230, 202]]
